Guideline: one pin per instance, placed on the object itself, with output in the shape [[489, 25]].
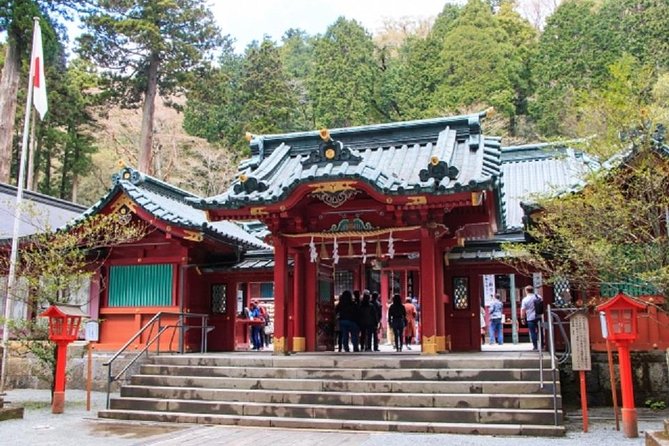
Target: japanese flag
[[37, 73]]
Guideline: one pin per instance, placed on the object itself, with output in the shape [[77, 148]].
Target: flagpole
[[17, 221]]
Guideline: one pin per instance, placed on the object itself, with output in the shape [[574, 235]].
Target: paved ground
[[80, 428]]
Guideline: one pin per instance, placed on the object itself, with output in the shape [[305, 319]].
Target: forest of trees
[[139, 66]]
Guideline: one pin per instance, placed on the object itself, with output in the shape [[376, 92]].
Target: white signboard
[[537, 282], [488, 289], [580, 342], [92, 331], [240, 301], [602, 322]]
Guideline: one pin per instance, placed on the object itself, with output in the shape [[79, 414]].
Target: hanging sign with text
[[580, 342], [488, 289]]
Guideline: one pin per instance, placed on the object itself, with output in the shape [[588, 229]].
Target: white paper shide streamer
[[363, 250], [313, 254], [335, 251], [391, 245]]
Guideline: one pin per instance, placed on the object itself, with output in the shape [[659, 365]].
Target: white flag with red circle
[[37, 73]]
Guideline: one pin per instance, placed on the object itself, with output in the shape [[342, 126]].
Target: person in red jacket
[[410, 329]]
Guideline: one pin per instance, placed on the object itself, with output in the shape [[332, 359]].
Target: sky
[[248, 20]]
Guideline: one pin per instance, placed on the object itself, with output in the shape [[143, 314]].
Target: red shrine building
[[417, 208]]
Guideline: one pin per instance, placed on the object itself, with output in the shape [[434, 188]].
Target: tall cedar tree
[[417, 60], [269, 100], [16, 20], [145, 46], [213, 107], [344, 75], [481, 64], [581, 39]]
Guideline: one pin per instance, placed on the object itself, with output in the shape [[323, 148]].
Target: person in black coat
[[397, 315], [377, 307], [346, 312], [368, 321]]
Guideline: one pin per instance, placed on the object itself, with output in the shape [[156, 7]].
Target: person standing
[[528, 315], [410, 329], [496, 312], [255, 315], [346, 311], [377, 308], [397, 320], [368, 322]]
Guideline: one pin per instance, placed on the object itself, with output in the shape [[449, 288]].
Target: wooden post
[[89, 375], [614, 388], [584, 400]]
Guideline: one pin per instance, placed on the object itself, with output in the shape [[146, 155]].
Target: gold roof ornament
[[434, 160], [120, 163], [243, 178], [248, 136], [325, 134]]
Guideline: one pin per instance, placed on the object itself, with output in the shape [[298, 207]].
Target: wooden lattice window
[[218, 302], [461, 293], [343, 281]]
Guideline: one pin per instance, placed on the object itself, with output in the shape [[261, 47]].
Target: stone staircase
[[496, 394]]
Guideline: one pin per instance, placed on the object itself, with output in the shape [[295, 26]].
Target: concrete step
[[507, 401], [323, 411], [361, 361], [338, 424], [492, 394], [334, 385], [468, 374]]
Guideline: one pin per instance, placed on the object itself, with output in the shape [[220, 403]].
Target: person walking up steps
[[496, 331], [528, 314]]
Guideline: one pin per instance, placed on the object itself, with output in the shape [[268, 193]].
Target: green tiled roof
[[539, 169], [169, 204], [394, 158]]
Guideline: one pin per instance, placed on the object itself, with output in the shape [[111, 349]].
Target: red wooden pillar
[[429, 292], [441, 311], [230, 327], [280, 296], [297, 316], [309, 305]]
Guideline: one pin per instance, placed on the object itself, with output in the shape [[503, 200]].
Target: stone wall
[[27, 372], [651, 379]]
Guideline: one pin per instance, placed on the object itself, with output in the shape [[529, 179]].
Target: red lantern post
[[621, 320], [64, 322]]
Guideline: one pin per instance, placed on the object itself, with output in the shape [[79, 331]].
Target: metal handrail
[[181, 326], [551, 347]]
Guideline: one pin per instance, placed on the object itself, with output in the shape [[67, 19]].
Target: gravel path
[[78, 427]]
